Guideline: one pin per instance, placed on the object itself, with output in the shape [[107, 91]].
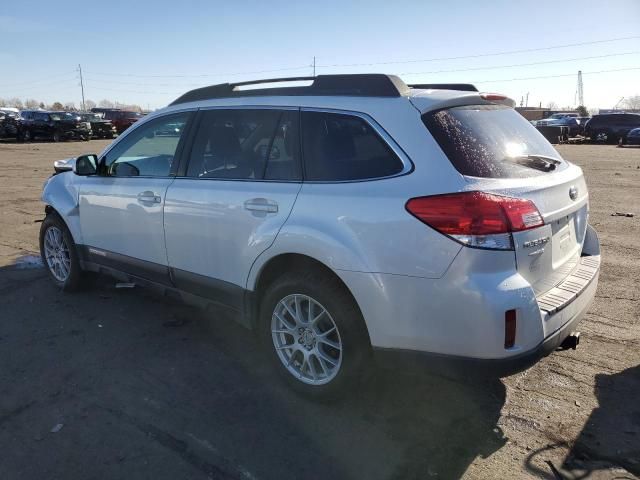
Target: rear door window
[[492, 141], [339, 147], [251, 144]]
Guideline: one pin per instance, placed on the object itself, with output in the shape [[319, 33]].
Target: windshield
[[130, 115], [491, 141], [91, 117], [62, 116]]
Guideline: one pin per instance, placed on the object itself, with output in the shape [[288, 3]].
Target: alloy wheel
[[306, 339], [56, 253]]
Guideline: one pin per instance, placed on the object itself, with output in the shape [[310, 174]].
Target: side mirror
[[86, 165]]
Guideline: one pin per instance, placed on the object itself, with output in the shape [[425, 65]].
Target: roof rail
[[465, 87], [354, 85]]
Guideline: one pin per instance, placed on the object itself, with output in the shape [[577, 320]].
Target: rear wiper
[[538, 162]]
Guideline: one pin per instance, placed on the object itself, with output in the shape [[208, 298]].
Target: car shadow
[[152, 388], [611, 435]]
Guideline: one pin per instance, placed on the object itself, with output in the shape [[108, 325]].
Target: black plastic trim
[[140, 268], [358, 85], [218, 291], [463, 87]]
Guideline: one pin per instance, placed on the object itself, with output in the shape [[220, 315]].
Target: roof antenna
[[314, 65]]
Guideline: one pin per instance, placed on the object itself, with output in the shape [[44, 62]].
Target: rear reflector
[[476, 219], [509, 328]]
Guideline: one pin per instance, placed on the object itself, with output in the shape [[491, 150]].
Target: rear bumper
[[573, 310]]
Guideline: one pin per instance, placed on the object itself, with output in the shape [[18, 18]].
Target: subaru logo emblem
[[573, 193]]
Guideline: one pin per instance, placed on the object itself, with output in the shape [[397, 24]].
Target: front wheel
[[58, 253], [314, 334], [56, 137]]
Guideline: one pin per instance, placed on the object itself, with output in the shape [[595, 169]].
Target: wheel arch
[[284, 262], [60, 195]]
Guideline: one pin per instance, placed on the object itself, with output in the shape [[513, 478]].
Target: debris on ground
[[622, 214], [57, 428]]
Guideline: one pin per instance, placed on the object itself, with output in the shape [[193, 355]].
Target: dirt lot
[[124, 384]]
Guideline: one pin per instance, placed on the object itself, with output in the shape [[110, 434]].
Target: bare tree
[[31, 103], [41, 105], [57, 106], [552, 105], [15, 102], [106, 103], [89, 104], [3, 102], [632, 103], [71, 106]]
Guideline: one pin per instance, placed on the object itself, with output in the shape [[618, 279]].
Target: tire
[[329, 372], [56, 137], [59, 254], [27, 136]]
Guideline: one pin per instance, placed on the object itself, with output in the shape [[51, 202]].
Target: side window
[[41, 117], [149, 149], [246, 145], [344, 147]]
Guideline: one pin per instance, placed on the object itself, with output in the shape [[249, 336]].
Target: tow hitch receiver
[[571, 342]]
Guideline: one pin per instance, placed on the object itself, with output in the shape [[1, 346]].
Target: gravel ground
[[123, 384]]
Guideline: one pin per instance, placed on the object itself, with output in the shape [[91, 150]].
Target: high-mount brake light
[[477, 219], [493, 97]]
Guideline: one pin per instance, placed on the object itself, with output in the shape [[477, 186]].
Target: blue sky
[[149, 52]]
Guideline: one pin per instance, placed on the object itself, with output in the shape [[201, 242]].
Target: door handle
[[261, 205], [149, 197]]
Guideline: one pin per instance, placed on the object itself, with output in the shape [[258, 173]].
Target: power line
[[40, 80], [481, 55], [555, 76], [203, 75], [521, 64]]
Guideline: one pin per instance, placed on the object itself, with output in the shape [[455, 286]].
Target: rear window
[[492, 141]]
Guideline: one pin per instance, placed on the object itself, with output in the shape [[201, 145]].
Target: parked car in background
[[611, 127], [56, 126], [9, 124], [346, 222], [559, 115], [582, 121], [561, 120], [633, 137], [100, 127], [121, 119]]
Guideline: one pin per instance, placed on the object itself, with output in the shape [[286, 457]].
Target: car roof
[[343, 86]]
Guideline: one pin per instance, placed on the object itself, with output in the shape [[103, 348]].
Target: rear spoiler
[[463, 87]]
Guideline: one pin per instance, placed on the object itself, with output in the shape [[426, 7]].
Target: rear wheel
[[56, 137], [58, 253], [27, 136], [314, 334]]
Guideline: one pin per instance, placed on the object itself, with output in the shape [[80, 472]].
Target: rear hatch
[[499, 152]]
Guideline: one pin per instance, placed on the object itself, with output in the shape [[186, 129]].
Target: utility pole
[[81, 85], [526, 102], [580, 89], [314, 65]]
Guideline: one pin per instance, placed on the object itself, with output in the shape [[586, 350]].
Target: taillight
[[476, 219]]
